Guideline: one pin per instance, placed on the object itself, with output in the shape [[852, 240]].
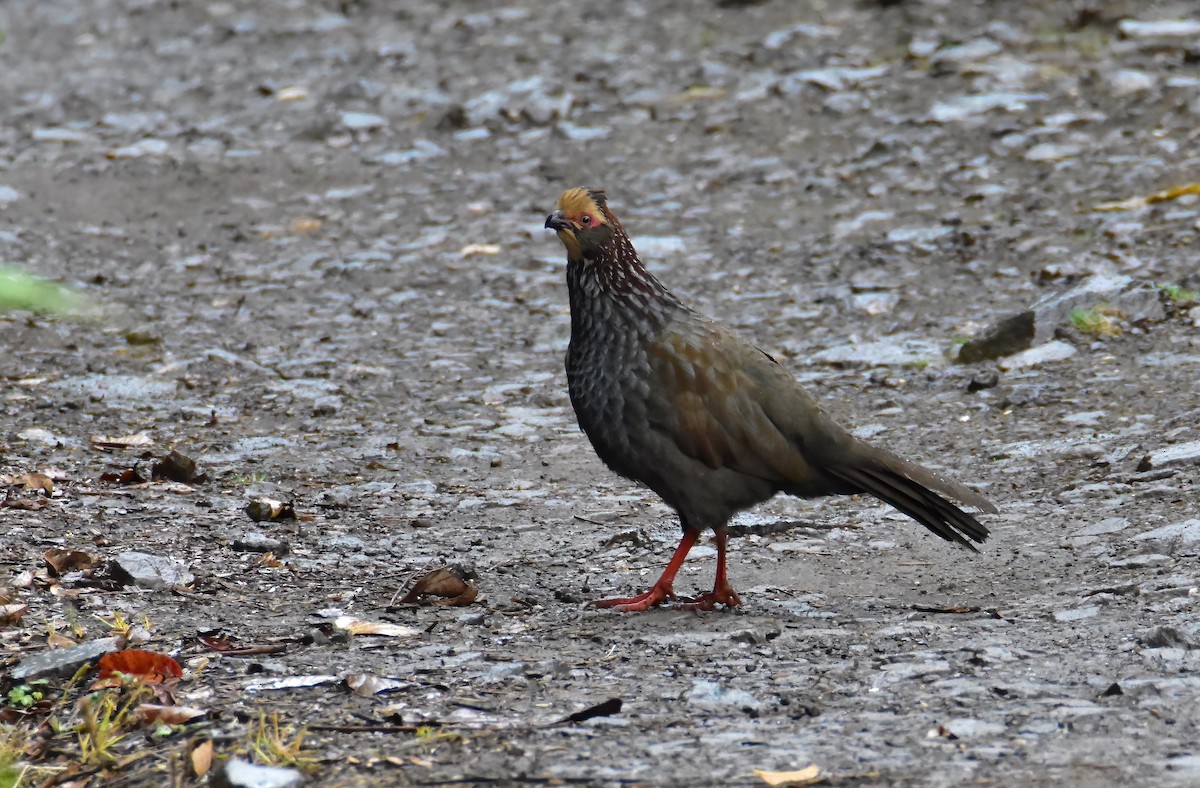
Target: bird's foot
[[721, 595], [659, 593]]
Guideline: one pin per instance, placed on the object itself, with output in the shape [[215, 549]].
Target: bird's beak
[[557, 222]]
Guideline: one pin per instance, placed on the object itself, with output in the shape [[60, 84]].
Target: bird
[[713, 425]]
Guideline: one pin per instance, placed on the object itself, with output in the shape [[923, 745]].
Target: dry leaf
[[149, 667], [55, 640], [11, 614], [470, 250], [365, 685], [62, 561], [33, 481], [126, 476], [806, 776], [1133, 203], [28, 504], [444, 583], [169, 715], [178, 468], [202, 757], [357, 626]]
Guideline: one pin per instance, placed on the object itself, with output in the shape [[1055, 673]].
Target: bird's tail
[[910, 488]]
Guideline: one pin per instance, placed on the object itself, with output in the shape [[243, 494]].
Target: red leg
[[722, 593], [664, 588]]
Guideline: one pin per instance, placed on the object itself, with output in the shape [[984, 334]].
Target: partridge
[[712, 424]]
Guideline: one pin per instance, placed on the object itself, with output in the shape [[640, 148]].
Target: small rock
[[970, 52], [1143, 561], [1090, 418], [1043, 354], [362, 121], [1051, 151], [1011, 335], [1109, 525], [255, 542], [1177, 454], [8, 194], [64, 661], [1186, 532], [504, 670], [1163, 28], [984, 379], [1169, 637], [147, 147], [1128, 81], [966, 107], [711, 695], [155, 572], [236, 773], [327, 406], [973, 729], [1077, 614], [757, 635]]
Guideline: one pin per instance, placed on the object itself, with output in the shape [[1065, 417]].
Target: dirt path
[[316, 230]]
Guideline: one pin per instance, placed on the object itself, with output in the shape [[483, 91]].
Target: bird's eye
[[586, 219]]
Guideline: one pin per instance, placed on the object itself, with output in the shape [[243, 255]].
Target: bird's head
[[583, 223]]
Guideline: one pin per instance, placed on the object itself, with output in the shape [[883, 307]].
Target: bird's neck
[[618, 274]]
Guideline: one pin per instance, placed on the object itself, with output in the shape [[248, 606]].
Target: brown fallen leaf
[[55, 640], [806, 776], [123, 477], [26, 504], [31, 481], [356, 626], [202, 757], [178, 468], [11, 614], [62, 561], [149, 667], [442, 583]]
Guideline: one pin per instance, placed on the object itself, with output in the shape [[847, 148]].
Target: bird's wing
[[716, 388]]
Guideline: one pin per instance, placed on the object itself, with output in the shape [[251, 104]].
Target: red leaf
[[148, 667]]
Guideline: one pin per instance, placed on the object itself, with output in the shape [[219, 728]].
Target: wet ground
[[315, 231]]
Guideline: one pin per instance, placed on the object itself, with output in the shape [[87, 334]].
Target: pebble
[[1042, 354], [1186, 532], [1077, 614], [236, 773], [711, 695], [155, 572], [362, 121], [64, 661], [1176, 454], [255, 542]]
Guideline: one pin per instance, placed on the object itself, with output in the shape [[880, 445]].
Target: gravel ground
[[315, 234]]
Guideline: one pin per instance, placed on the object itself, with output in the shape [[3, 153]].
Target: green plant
[[1100, 320], [104, 722], [24, 696], [21, 291], [1180, 295], [273, 744]]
